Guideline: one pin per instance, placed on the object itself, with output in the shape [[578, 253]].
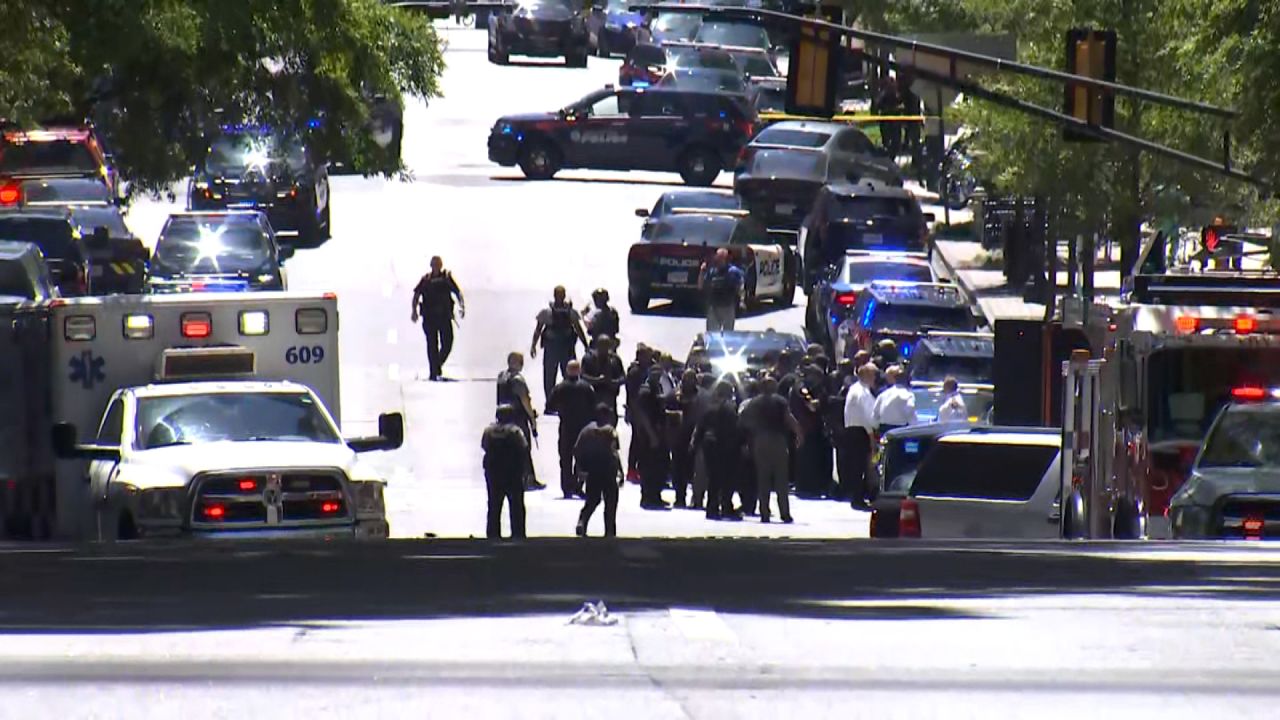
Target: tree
[[157, 75]]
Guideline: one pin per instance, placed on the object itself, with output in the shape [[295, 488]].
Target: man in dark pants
[[808, 404], [649, 421], [770, 426], [514, 391], [637, 375], [682, 457], [603, 369], [433, 300], [574, 401], [505, 451], [558, 331], [596, 456], [718, 437], [721, 284], [838, 384]]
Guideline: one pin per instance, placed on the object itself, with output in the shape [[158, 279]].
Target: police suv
[[191, 415], [902, 312], [969, 357], [696, 134]]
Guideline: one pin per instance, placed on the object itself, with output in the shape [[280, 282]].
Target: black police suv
[[860, 216], [902, 312], [232, 251], [696, 134], [540, 28], [251, 167], [59, 239]]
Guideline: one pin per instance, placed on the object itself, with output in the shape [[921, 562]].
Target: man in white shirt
[[895, 407], [860, 424], [952, 408]]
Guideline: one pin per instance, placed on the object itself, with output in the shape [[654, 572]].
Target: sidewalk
[[982, 279]]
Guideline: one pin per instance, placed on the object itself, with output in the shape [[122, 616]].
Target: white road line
[[702, 625]]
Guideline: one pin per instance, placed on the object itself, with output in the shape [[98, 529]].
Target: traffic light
[[1091, 53], [813, 72]]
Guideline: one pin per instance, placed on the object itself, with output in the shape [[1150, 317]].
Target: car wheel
[[699, 166], [326, 227], [788, 297], [539, 161], [638, 301], [309, 228], [1129, 523]]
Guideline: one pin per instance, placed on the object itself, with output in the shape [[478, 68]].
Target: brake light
[[1187, 324], [846, 298], [1248, 393], [215, 512], [909, 519], [747, 127], [1253, 526], [196, 325], [330, 507], [1245, 324], [10, 194], [248, 485]]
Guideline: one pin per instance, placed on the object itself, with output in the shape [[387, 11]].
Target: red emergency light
[[197, 325], [214, 512], [1248, 393], [10, 194], [1253, 527], [330, 507], [248, 484], [1187, 324], [846, 298], [1246, 324]]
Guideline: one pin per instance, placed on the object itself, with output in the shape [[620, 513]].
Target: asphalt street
[[508, 241]]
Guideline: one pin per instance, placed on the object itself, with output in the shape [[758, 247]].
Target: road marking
[[702, 625], [393, 336]]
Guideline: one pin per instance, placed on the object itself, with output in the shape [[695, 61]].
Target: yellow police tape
[[846, 118]]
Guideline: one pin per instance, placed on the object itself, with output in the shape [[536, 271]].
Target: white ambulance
[[199, 415]]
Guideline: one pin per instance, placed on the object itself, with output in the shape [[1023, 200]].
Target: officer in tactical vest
[[505, 451], [433, 301], [721, 284], [602, 319], [559, 330]]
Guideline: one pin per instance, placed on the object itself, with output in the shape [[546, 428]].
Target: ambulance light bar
[[1242, 324], [206, 363], [1249, 392]]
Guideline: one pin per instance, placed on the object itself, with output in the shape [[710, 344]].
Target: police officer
[[637, 375], [574, 400], [770, 425], [596, 456], [433, 300], [505, 453], [721, 284], [717, 436], [682, 456], [649, 423], [559, 330], [603, 369], [514, 391], [808, 404], [602, 319]]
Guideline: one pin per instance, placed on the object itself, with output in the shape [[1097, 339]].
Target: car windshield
[[929, 398], [965, 369], [917, 318], [14, 280], [792, 164], [710, 58], [861, 273], [1246, 436], [790, 137], [704, 200], [721, 345], [704, 80], [1187, 386], [676, 26], [65, 192], [735, 34], [695, 230], [236, 154], [771, 99], [62, 156], [963, 470], [755, 64], [647, 55], [208, 247], [235, 417], [618, 6], [902, 456], [90, 218], [52, 235], [554, 9], [863, 207]]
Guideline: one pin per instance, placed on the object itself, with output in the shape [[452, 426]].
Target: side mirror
[[286, 252], [642, 212], [390, 435], [66, 446]]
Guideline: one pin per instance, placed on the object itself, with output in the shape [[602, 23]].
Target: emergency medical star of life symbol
[[87, 369]]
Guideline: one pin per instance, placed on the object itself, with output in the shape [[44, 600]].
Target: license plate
[[678, 277], [785, 208], [872, 239]]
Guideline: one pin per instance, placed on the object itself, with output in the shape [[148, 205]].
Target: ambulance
[[195, 415]]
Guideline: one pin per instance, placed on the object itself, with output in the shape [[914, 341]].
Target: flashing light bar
[[1253, 392]]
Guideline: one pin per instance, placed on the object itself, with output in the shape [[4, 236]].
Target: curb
[[965, 287]]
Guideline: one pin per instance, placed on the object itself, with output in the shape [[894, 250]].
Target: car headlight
[[368, 498], [162, 503]]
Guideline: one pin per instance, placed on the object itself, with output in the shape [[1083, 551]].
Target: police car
[[233, 251], [539, 28], [902, 312], [251, 167], [686, 200], [863, 216], [668, 262], [836, 288], [696, 134], [736, 355]]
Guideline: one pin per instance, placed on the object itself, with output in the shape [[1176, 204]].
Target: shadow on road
[[154, 588]]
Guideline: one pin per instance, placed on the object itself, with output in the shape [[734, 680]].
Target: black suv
[[696, 134], [540, 28], [863, 216]]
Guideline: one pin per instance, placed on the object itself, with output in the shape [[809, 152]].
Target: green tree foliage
[[157, 75]]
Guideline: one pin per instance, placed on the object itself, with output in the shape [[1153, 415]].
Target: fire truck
[[1144, 377], [142, 407]]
